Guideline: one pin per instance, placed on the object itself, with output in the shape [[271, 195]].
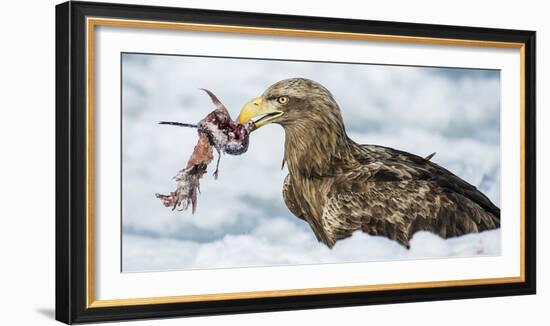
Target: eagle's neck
[[317, 147]]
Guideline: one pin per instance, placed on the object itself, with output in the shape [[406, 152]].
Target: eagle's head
[[294, 102], [311, 118]]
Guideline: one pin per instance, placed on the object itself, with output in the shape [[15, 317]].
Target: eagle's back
[[387, 192]]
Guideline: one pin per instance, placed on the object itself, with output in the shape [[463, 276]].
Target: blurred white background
[[241, 219], [27, 139]]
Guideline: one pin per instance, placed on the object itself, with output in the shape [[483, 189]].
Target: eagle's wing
[[399, 209], [395, 194], [388, 164]]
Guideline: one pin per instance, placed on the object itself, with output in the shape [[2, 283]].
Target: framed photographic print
[[212, 162]]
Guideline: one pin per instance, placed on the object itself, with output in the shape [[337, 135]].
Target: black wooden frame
[[71, 162]]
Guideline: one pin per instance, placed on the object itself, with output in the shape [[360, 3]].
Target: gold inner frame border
[[92, 22]]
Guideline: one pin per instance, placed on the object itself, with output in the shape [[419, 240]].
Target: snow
[[280, 243], [241, 219]]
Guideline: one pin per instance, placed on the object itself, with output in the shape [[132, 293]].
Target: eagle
[[339, 186]]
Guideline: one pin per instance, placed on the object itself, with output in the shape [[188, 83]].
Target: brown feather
[[338, 186]]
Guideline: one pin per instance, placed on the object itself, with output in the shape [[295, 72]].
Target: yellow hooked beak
[[257, 111]]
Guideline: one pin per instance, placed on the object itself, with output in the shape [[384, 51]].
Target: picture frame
[[76, 238]]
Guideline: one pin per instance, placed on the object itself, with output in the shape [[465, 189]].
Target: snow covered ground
[[241, 219], [274, 246]]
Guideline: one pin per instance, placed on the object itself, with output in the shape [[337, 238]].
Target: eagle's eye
[[282, 99]]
